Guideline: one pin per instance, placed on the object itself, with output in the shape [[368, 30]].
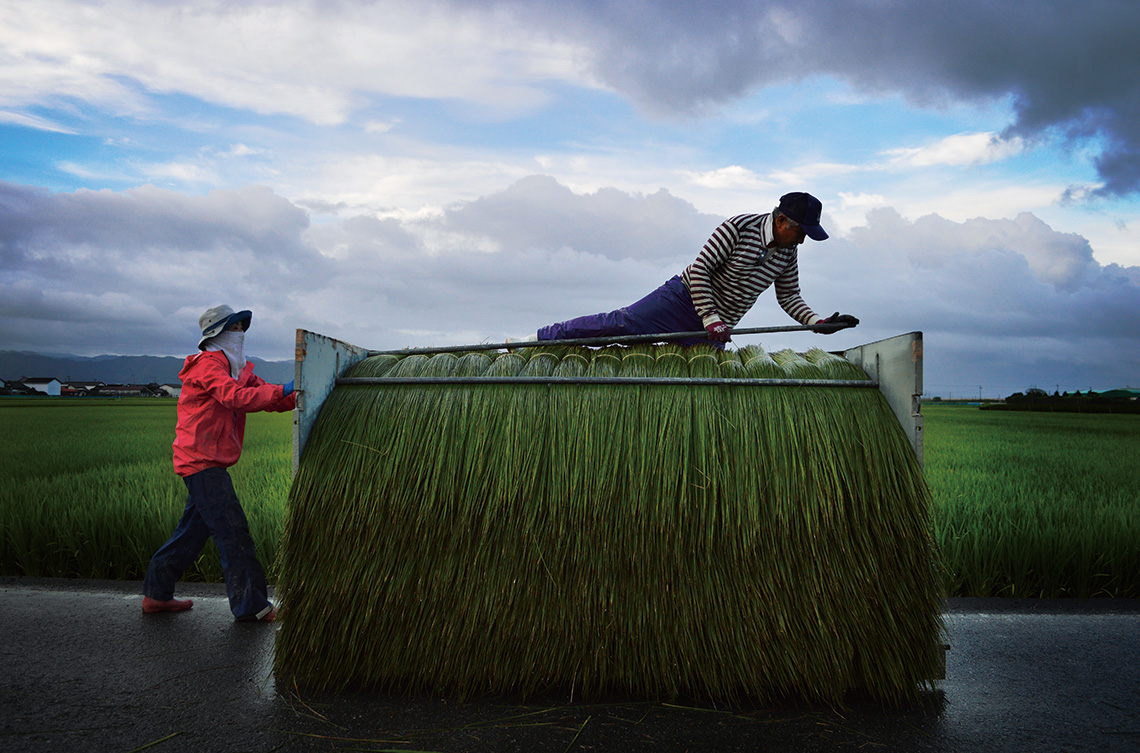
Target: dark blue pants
[[212, 509], [667, 309]]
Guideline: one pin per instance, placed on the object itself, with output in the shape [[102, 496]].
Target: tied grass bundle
[[722, 542]]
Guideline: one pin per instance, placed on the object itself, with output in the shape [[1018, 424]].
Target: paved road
[[81, 669]]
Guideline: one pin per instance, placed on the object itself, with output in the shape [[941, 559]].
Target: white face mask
[[232, 343]]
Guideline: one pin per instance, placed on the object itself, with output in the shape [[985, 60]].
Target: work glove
[[836, 318], [288, 389], [719, 332]]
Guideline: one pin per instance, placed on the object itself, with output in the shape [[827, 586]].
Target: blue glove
[[288, 389]]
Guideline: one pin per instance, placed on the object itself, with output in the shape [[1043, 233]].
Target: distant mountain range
[[16, 365]]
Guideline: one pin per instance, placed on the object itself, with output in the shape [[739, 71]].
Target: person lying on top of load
[[744, 257]]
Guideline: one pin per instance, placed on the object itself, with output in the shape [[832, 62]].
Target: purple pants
[[667, 309]]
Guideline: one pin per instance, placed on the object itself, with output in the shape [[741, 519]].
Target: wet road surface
[[82, 669]]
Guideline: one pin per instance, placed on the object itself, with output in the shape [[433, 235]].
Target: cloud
[[379, 126], [1005, 303], [487, 268], [33, 121], [538, 213], [733, 176], [183, 172], [241, 150], [101, 271], [860, 200], [315, 60], [1066, 69], [1063, 260], [812, 171], [359, 182], [959, 149]]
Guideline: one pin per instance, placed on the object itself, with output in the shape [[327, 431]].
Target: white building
[[46, 385]]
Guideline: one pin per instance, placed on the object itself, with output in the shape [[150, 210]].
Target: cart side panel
[[319, 360], [897, 365]]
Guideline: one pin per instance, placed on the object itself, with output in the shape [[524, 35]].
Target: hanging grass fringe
[[724, 542]]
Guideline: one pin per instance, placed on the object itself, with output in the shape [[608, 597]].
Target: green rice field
[[1035, 504], [1025, 504], [88, 489]]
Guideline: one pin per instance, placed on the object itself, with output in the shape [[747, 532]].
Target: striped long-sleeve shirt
[[739, 262]]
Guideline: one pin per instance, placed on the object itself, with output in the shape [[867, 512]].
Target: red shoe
[[152, 606]]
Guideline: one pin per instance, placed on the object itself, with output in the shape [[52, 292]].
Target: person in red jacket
[[218, 389]]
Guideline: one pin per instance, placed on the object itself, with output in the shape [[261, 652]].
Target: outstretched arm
[[788, 294], [256, 395]]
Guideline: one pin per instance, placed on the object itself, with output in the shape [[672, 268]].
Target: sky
[[400, 174]]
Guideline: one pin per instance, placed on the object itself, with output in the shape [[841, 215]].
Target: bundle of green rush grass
[[726, 542]]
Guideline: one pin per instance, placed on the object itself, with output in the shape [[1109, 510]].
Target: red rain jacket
[[212, 408]]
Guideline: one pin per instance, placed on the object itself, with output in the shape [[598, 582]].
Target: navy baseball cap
[[804, 209]]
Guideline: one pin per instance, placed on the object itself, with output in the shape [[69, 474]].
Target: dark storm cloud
[[1006, 304], [129, 272], [45, 231], [1069, 69]]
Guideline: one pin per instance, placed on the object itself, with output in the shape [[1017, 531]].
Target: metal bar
[[656, 381], [611, 340]]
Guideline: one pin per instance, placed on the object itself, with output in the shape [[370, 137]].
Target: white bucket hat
[[220, 318]]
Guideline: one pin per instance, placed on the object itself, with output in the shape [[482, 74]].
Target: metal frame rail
[[628, 381]]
